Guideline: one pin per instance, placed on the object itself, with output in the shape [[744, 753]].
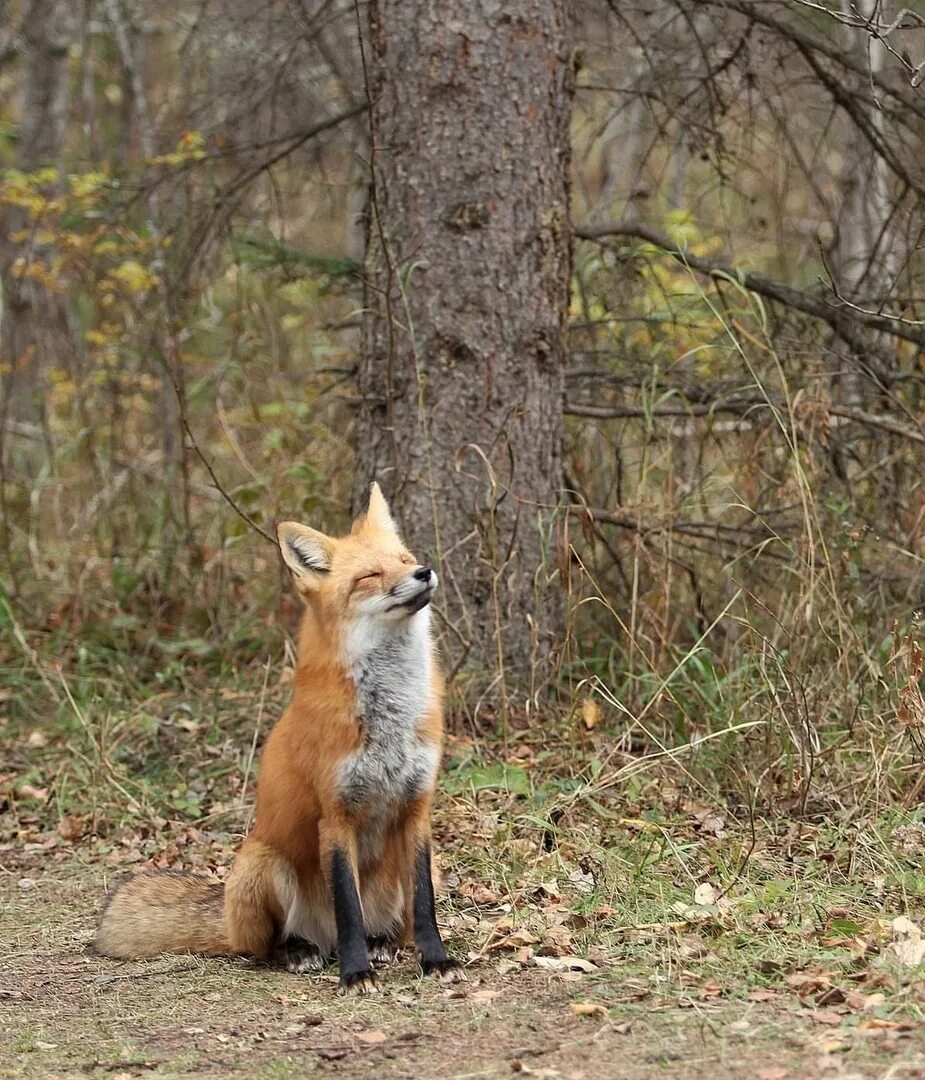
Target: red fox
[[340, 857]]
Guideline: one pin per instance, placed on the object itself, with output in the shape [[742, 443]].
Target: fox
[[339, 861]]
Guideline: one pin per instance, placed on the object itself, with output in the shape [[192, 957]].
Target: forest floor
[[645, 928], [68, 1013]]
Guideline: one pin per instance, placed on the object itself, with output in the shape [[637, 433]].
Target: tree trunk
[[35, 322], [468, 264], [865, 255]]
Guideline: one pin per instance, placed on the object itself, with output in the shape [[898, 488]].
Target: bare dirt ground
[[68, 1013]]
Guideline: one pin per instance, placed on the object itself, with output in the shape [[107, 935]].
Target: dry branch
[[739, 407], [839, 318]]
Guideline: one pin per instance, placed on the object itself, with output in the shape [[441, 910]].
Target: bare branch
[[839, 318], [740, 407]]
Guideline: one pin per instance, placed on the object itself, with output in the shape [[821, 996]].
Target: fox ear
[[306, 552], [377, 514]]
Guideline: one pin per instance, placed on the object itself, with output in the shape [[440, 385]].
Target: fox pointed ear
[[307, 552], [377, 515]]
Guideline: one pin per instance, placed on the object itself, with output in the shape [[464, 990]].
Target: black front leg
[[426, 935], [356, 972]]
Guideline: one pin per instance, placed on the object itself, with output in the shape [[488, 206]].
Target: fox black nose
[[423, 573]]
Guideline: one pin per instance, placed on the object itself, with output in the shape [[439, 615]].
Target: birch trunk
[[866, 262]]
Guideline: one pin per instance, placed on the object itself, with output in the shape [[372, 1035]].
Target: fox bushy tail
[[164, 912]]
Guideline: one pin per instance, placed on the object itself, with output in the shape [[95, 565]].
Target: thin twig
[[772, 290]]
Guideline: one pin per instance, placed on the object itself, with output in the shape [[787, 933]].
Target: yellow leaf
[[191, 140], [48, 175], [587, 1008], [133, 276], [85, 184], [590, 713]]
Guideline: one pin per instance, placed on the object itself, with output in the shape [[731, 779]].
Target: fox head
[[367, 582]]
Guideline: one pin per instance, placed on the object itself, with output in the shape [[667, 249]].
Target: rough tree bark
[[35, 323], [468, 262]]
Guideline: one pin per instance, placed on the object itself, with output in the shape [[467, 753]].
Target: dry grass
[[598, 922]]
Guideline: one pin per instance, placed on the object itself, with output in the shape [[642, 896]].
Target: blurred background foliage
[[183, 197]]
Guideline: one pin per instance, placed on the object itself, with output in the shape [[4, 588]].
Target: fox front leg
[[431, 951], [356, 972]]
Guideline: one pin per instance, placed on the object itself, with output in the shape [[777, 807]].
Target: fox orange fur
[[339, 859]]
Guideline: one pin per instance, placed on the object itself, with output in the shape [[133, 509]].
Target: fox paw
[[448, 971], [357, 982], [301, 957], [381, 950]]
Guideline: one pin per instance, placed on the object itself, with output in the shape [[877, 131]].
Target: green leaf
[[496, 777]]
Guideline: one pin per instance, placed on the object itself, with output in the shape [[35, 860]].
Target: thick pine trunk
[[468, 262]]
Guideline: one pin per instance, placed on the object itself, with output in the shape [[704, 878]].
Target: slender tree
[[35, 325], [468, 261], [864, 255]]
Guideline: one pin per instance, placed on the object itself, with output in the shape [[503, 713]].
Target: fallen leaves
[[807, 983], [864, 1002], [591, 714], [908, 946], [516, 940], [711, 989], [73, 827], [708, 905], [565, 963], [705, 894], [832, 1018], [910, 839], [30, 791], [880, 1024], [582, 881], [707, 822], [519, 1066], [372, 1038], [547, 940], [587, 1008], [763, 995], [478, 893]]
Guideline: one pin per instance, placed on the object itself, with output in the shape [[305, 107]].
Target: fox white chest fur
[[391, 670]]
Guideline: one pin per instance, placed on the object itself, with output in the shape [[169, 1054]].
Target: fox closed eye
[[366, 576]]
